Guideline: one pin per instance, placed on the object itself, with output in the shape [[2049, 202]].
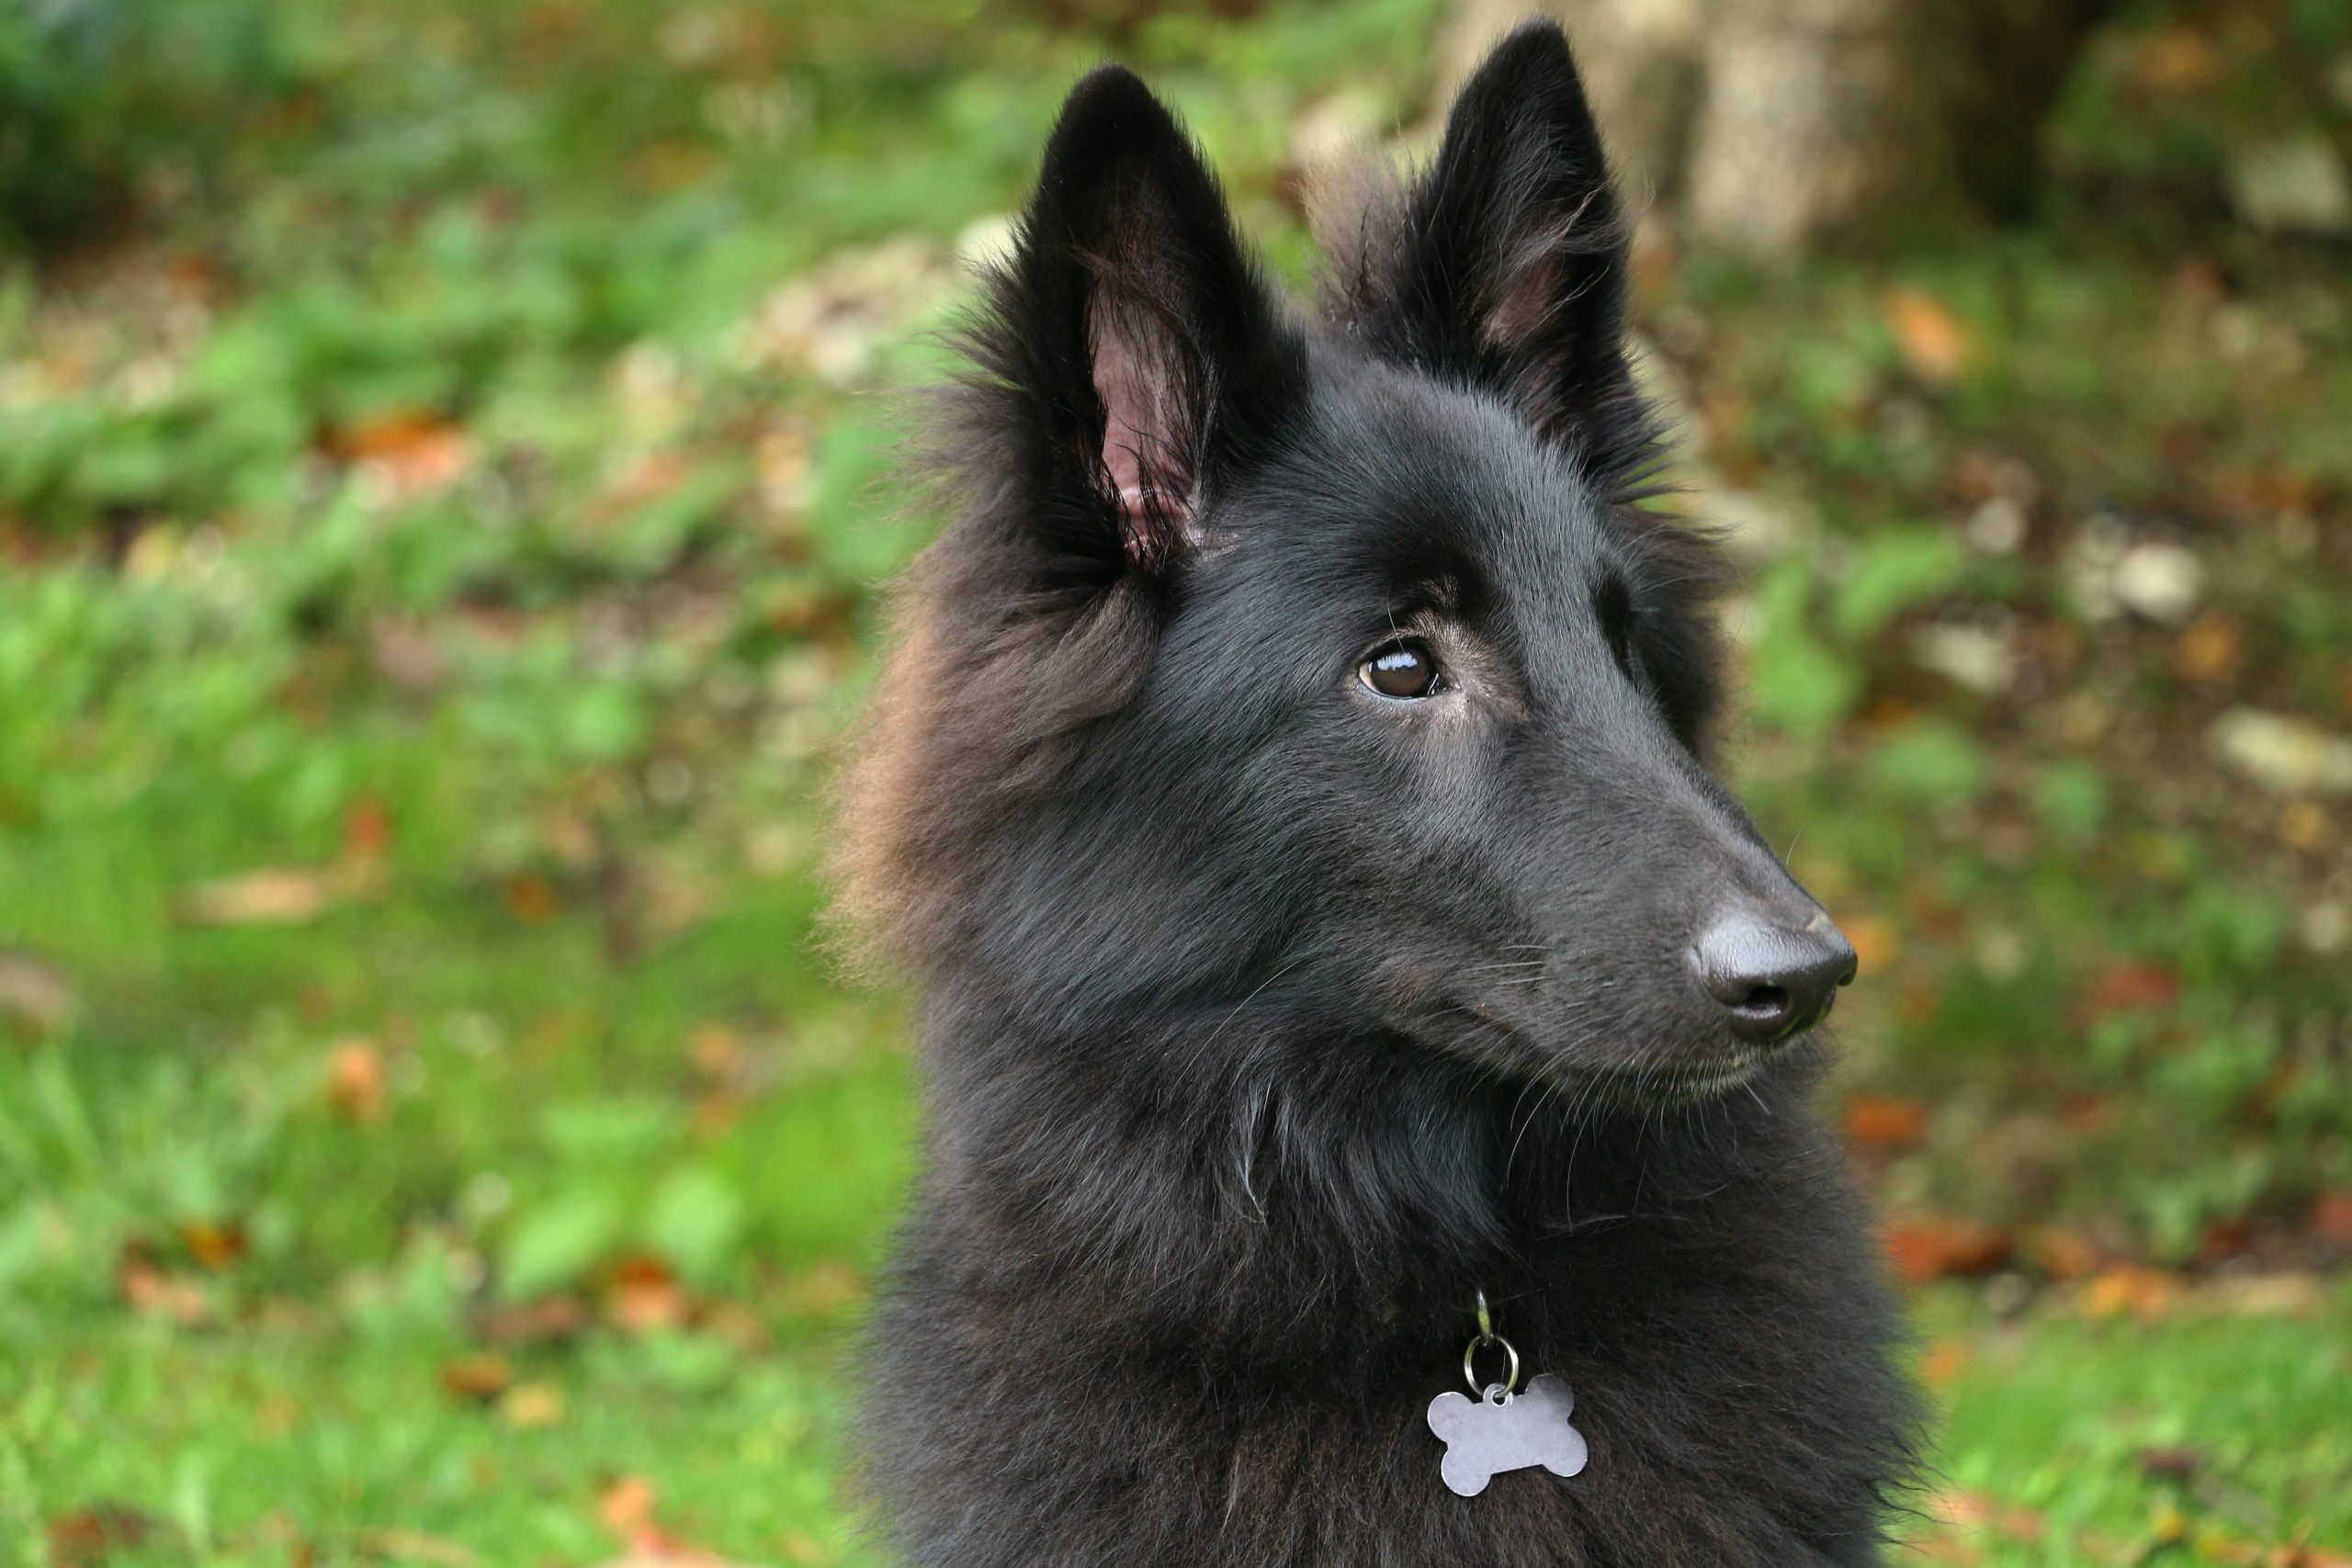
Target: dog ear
[[1503, 265], [1144, 344]]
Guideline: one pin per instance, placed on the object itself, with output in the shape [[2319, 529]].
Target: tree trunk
[[1767, 126]]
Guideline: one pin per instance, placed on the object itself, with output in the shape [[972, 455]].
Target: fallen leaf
[[95, 1534], [532, 1404], [356, 1085], [271, 896], [2177, 1465], [1982, 1512], [367, 830], [1945, 1362], [1876, 943], [2304, 825], [408, 452], [1941, 1248], [1935, 344], [531, 898], [625, 1504], [35, 993], [2210, 649], [479, 1378], [215, 1245], [2129, 987], [2331, 1218], [542, 1320], [2128, 1288], [645, 1296], [2063, 1254], [1876, 1122], [152, 1291]]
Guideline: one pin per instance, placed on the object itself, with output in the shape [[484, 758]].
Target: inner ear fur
[[1147, 350]]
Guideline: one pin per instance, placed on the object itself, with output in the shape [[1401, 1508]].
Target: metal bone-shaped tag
[[1502, 1431]]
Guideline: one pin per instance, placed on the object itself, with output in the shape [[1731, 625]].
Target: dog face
[[1336, 667]]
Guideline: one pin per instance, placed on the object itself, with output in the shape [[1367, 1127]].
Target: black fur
[[1268, 1019]]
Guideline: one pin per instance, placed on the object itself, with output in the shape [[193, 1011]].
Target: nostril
[[1773, 980]]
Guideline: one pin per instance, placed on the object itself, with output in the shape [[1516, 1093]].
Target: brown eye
[[1405, 669]]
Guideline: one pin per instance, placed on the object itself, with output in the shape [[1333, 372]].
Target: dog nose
[[1775, 980]]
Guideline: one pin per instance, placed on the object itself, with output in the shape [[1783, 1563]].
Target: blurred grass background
[[438, 542]]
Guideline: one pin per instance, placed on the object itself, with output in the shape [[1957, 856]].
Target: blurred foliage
[[443, 485]]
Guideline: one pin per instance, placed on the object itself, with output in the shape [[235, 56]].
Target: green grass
[[439, 452], [2105, 1439]]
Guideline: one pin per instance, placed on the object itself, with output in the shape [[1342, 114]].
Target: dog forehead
[[1406, 476]]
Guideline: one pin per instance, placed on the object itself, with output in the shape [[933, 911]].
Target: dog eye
[[1405, 669]]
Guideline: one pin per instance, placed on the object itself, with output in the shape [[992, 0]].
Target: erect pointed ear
[[1148, 351], [1503, 266]]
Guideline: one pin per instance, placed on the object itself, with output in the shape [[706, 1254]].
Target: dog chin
[[1705, 1080], [1688, 1083]]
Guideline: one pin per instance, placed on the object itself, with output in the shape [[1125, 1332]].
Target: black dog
[[1290, 794]]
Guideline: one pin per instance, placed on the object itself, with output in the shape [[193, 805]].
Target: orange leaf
[[1874, 1121], [1945, 1362], [356, 1081], [625, 1504], [367, 830], [1936, 346], [1938, 1248], [416, 449], [215, 1245], [1876, 942], [2128, 1288]]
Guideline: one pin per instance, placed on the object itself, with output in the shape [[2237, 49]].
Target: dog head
[[1333, 663]]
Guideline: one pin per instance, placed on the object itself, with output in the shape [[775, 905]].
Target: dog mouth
[[1705, 1080], [1635, 1084]]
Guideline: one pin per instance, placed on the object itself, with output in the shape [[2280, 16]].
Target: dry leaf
[[2128, 1288], [214, 1244], [645, 1296], [406, 453], [270, 897], [35, 993], [1938, 1247], [532, 1404], [625, 1504], [367, 830], [2210, 649], [89, 1537], [2130, 987], [1876, 943], [356, 1085], [479, 1378], [152, 1291], [1875, 1121], [532, 899], [1936, 346], [1944, 1362]]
